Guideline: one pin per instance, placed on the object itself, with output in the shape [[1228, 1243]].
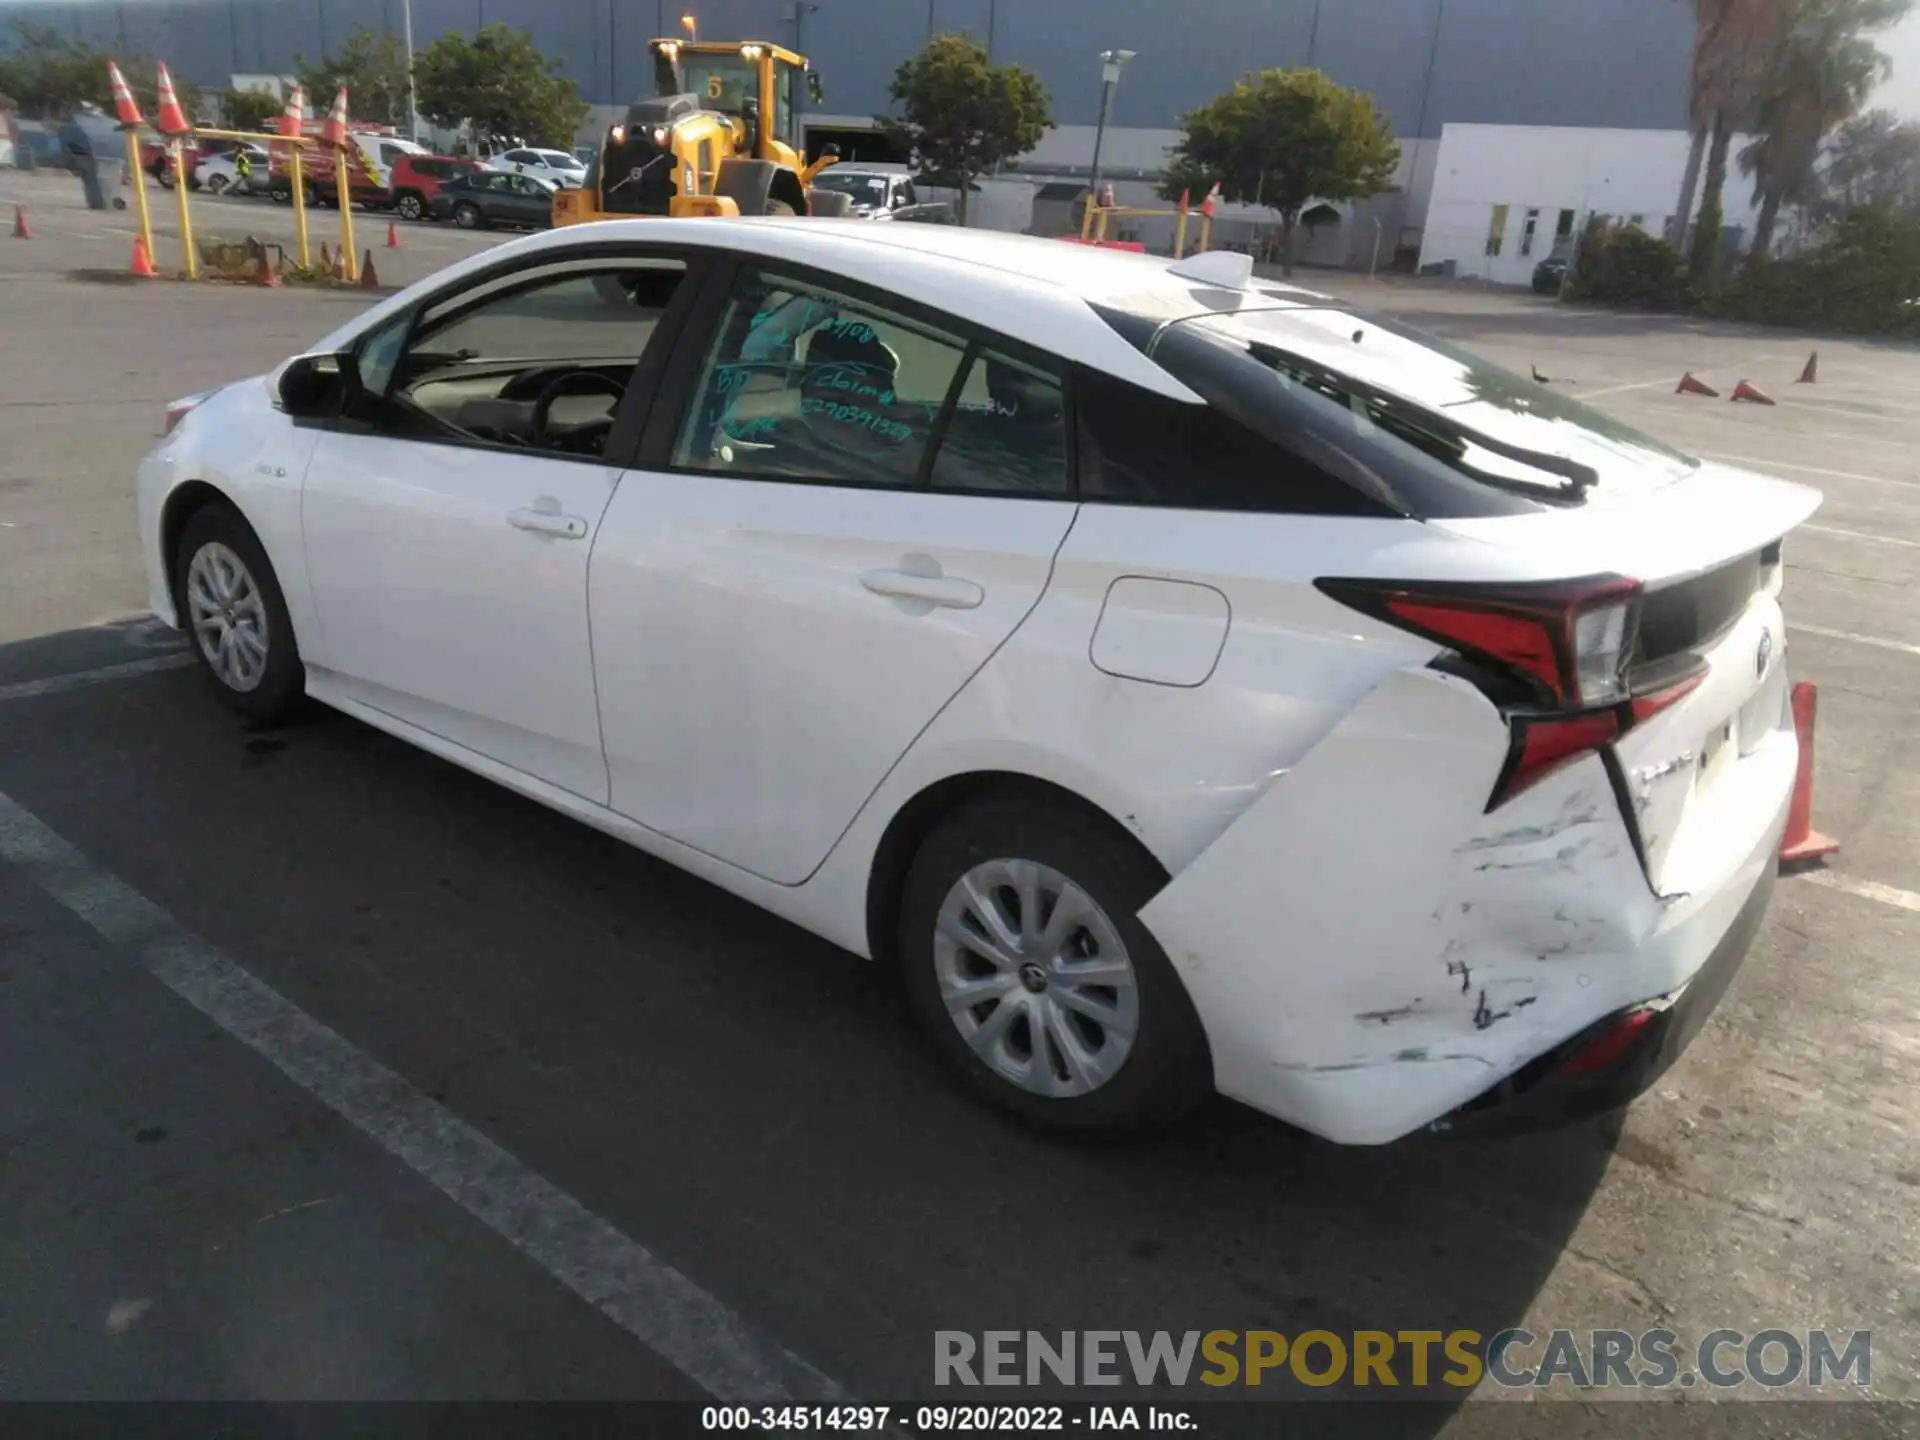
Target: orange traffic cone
[[393, 236], [171, 120], [1801, 842], [1813, 369], [264, 274], [340, 265], [1744, 391], [368, 280], [142, 261], [1690, 385], [326, 258], [21, 229]]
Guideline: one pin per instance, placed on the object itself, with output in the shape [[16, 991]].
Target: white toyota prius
[[1187, 681]]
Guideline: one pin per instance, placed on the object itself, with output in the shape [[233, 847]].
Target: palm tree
[[1732, 42], [1821, 72]]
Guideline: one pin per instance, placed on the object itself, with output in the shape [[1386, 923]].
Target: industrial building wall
[[1603, 63], [1490, 182]]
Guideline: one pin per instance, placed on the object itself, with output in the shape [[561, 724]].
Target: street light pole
[[413, 102], [1110, 63]]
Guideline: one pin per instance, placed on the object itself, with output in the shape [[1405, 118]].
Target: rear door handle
[[944, 590], [548, 522]]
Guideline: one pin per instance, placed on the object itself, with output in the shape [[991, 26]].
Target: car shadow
[[750, 1102]]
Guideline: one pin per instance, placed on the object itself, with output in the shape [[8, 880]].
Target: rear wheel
[[217, 185], [468, 217], [1027, 965], [230, 604]]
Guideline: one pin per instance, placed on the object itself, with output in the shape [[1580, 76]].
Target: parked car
[[482, 199], [1550, 273], [876, 193], [1187, 681], [557, 166], [157, 162], [221, 173], [416, 179]]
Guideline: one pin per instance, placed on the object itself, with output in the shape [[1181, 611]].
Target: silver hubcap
[[229, 616], [1036, 978]]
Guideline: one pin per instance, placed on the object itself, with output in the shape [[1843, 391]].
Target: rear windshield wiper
[[1434, 427]]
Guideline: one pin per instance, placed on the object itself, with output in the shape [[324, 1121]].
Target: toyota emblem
[[1764, 653]]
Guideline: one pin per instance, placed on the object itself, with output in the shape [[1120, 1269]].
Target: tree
[[1732, 42], [499, 85], [961, 115], [1873, 159], [1820, 73], [249, 109], [52, 76], [1285, 138], [49, 75], [372, 65]]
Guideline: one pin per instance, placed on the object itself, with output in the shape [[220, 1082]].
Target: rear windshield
[[1418, 425]]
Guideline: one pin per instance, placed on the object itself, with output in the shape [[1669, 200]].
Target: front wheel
[[164, 174], [230, 604], [218, 185], [467, 216], [409, 207], [1027, 965]]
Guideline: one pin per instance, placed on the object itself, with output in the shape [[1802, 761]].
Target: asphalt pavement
[[330, 1070]]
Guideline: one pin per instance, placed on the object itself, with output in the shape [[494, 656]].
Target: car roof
[[1037, 291]]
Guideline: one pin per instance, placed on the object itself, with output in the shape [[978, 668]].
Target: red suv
[[155, 161], [416, 179]]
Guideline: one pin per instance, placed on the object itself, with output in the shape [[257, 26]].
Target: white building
[[1502, 196]]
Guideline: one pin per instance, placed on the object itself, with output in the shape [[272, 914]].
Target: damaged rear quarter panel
[[1369, 949]]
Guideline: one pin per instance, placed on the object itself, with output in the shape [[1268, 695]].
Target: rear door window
[[802, 383]]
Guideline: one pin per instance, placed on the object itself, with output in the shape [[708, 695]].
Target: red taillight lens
[[1609, 1045], [1559, 652], [1543, 743], [178, 410]]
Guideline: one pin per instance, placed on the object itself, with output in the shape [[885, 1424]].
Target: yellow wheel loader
[[720, 137]]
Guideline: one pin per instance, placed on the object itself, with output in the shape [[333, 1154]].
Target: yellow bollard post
[[343, 194], [137, 178], [1100, 230], [1180, 236], [299, 178], [1086, 218], [189, 257], [1206, 232]]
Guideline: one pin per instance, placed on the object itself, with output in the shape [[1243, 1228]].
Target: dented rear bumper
[[1370, 952]]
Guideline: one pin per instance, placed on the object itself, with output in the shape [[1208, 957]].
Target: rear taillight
[[178, 410], [1554, 657]]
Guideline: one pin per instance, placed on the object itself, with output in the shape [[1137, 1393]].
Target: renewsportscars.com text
[[1512, 1358]]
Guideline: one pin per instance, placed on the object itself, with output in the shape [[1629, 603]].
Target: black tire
[[218, 185], [282, 681], [468, 217], [1168, 1068], [409, 206], [164, 175]]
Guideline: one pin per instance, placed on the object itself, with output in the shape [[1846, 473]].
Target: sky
[[1902, 92]]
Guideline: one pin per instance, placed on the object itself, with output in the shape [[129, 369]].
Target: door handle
[[944, 590], [548, 522]]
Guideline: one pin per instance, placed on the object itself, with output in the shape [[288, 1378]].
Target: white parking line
[[1675, 379], [1876, 641], [1865, 889], [80, 679], [1861, 535], [700, 1336]]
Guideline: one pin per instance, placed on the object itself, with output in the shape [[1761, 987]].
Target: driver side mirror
[[314, 387], [816, 92]]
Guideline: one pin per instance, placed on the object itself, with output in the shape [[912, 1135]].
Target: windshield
[[1410, 410], [865, 189], [721, 82]]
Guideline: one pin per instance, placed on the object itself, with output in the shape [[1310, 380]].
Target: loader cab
[[737, 80]]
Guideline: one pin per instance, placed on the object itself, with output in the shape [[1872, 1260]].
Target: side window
[[804, 384], [540, 364], [1140, 448], [1008, 432], [390, 153]]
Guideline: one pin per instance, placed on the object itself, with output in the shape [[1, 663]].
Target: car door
[[448, 527], [842, 507], [530, 202]]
